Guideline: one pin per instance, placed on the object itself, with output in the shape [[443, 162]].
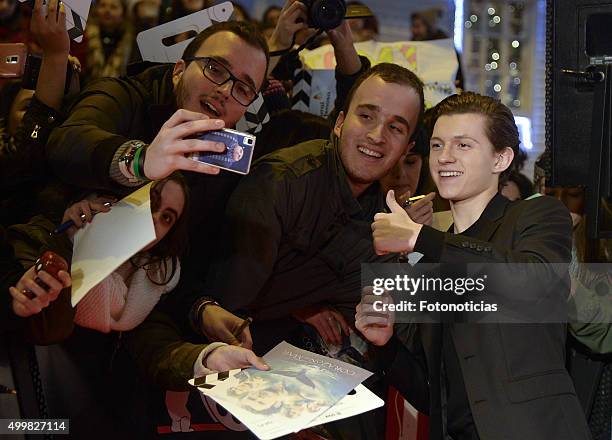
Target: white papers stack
[[301, 390]]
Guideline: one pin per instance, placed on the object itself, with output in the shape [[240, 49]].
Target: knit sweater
[[123, 301]]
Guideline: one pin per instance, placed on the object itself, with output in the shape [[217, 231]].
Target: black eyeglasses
[[219, 74]]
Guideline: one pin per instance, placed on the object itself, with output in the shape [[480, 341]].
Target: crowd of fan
[[60, 156]]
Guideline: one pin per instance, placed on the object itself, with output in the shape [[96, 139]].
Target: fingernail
[[219, 123]]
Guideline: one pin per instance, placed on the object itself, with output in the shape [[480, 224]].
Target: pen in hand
[[411, 200], [70, 223], [242, 327]]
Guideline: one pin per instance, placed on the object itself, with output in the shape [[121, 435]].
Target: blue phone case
[[237, 155]]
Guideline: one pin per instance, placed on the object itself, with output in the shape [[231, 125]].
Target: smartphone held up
[[238, 150]]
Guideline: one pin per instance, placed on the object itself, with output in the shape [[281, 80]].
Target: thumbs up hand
[[394, 232]]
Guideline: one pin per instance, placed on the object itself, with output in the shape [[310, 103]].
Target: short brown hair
[[391, 73], [500, 128], [245, 30]]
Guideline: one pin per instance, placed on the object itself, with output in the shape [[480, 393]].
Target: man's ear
[[339, 123], [504, 160], [177, 72]]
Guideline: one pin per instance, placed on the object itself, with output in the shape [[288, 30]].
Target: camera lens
[[327, 14]]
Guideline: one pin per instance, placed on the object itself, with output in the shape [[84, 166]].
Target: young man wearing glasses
[[156, 112]]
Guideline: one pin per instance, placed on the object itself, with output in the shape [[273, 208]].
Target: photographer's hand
[[292, 19], [347, 59], [166, 153]]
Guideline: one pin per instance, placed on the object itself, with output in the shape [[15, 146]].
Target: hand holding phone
[[238, 150], [51, 263], [40, 285], [175, 141]]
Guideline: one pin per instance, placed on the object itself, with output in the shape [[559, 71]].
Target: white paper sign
[[150, 41], [110, 240]]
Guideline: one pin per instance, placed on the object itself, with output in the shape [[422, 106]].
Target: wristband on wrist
[[126, 161], [139, 158]]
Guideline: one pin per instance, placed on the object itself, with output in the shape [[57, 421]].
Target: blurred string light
[[494, 17], [459, 25]]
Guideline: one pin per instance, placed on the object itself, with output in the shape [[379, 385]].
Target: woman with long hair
[[124, 299]]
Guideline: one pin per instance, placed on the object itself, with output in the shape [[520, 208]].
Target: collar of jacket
[[371, 200], [487, 223]]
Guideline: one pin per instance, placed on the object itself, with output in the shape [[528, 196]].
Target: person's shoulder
[[541, 207], [538, 202], [142, 80], [297, 160], [148, 73]]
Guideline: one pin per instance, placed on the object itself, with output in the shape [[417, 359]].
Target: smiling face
[[376, 131], [197, 93], [462, 161]]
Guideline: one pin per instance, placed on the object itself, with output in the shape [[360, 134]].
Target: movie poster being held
[[299, 387]]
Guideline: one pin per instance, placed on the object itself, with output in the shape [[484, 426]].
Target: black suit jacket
[[515, 377]]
